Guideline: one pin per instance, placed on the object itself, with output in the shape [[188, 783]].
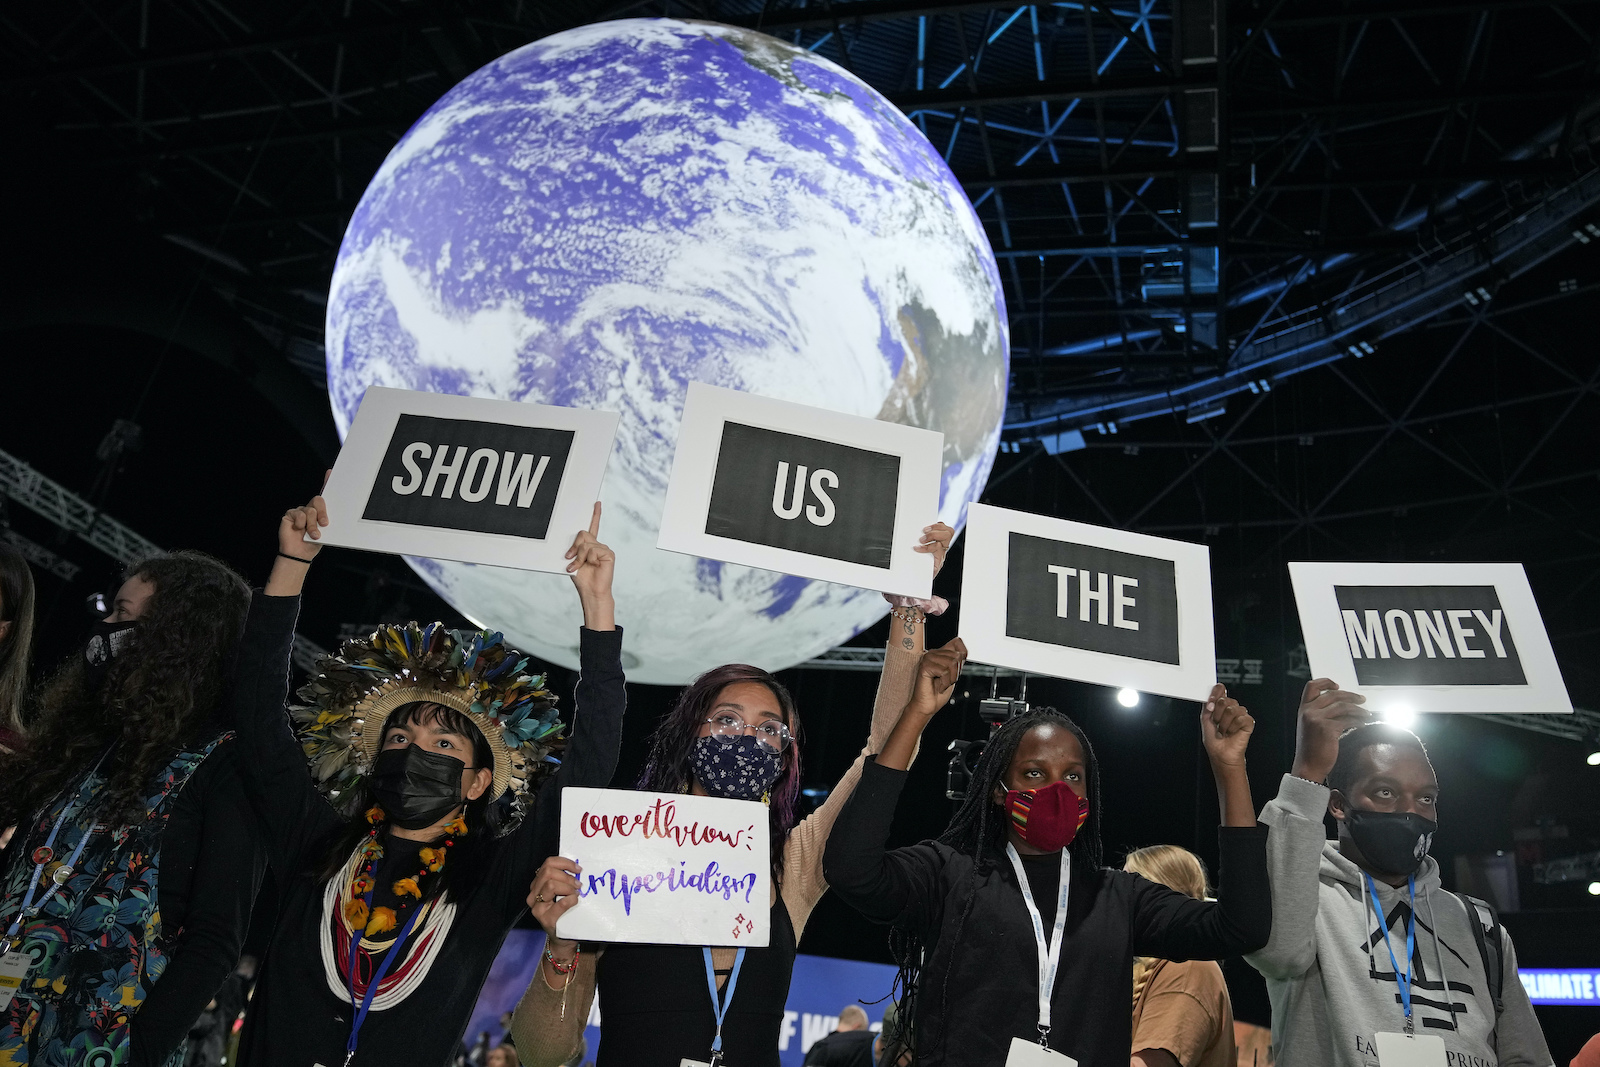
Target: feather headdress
[[341, 723]]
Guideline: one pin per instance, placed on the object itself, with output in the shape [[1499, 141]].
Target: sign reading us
[[805, 495], [465, 475], [1092, 598], [1428, 635]]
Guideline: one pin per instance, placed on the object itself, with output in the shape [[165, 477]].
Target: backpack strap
[[1485, 923]]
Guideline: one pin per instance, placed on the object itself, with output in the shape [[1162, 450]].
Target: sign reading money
[[1067, 599], [1429, 636], [464, 478], [667, 868], [802, 491]]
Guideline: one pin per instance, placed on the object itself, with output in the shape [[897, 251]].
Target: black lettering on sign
[[1092, 598], [482, 476], [810, 496], [1428, 635]]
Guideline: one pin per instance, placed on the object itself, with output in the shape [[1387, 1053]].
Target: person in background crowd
[[1182, 1016], [479, 1056], [394, 904], [1364, 941], [890, 1048], [501, 1056], [16, 642], [848, 1046], [734, 732], [982, 913], [136, 860]]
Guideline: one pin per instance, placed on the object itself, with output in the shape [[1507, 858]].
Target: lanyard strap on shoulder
[[1402, 978], [359, 1012], [719, 1005], [1049, 958], [29, 909]]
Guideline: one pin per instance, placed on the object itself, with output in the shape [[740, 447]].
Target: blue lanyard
[[360, 1013], [719, 1006], [29, 909], [1403, 980]]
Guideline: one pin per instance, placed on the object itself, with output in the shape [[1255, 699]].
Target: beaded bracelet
[[560, 968], [911, 616]]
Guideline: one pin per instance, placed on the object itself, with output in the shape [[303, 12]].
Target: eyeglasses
[[729, 728]]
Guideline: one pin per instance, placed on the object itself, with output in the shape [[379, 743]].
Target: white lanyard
[[1049, 959]]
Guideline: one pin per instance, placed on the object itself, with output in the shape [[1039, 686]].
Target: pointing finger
[[594, 521]]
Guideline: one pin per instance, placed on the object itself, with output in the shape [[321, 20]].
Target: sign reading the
[[667, 868], [1430, 636], [1071, 600], [454, 477], [802, 491]]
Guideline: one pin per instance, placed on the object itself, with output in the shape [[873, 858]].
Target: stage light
[[1594, 889], [1594, 758], [1400, 715], [1128, 698]]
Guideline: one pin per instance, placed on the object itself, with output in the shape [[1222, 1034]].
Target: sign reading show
[[803, 491], [1430, 636], [453, 477], [667, 868], [1050, 596]]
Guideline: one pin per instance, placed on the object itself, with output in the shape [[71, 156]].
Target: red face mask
[[1048, 818]]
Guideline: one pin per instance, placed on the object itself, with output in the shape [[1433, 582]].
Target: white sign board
[[667, 868], [1050, 596], [1429, 636], [803, 491], [469, 479]]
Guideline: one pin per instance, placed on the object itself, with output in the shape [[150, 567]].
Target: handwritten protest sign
[[667, 868]]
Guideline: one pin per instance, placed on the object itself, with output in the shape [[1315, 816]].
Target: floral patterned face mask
[[741, 770]]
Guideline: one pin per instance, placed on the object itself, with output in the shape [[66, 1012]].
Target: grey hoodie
[[1330, 978]]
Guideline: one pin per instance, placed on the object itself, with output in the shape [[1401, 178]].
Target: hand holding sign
[[1326, 712], [936, 540], [591, 568], [553, 892], [299, 537], [1225, 728]]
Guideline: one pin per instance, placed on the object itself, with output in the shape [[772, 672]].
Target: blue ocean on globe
[[605, 215]]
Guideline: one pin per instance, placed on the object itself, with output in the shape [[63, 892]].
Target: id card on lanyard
[[1040, 1054], [1408, 1049]]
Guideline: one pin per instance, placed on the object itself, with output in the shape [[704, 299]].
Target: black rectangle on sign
[[1092, 598], [463, 475], [810, 496], [1428, 635]]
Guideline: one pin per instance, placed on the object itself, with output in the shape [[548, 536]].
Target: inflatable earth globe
[[605, 215]]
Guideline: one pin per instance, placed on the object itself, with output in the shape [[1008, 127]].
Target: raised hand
[[937, 675], [296, 523], [591, 567], [553, 893], [1225, 728], [1326, 712], [936, 539]]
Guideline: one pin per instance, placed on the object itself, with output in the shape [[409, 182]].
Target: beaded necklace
[[380, 920]]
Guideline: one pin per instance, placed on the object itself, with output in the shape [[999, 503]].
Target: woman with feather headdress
[[403, 857]]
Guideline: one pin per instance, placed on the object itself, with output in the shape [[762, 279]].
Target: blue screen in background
[[820, 987], [1561, 986]]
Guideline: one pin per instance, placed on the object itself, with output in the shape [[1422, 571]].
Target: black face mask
[[1392, 842], [414, 787], [106, 641]]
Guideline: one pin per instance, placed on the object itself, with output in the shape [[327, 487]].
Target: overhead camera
[[964, 755]]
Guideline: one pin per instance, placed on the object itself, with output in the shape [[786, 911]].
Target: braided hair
[[978, 830]]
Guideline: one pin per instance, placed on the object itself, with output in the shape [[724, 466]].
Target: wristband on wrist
[[297, 559], [563, 968]]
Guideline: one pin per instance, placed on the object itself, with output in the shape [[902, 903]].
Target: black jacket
[[980, 977]]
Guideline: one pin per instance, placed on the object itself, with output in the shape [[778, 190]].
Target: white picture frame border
[[356, 470], [1328, 653], [707, 408], [983, 607]]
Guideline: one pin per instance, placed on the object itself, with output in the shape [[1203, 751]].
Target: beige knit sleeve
[[803, 882], [548, 1023]]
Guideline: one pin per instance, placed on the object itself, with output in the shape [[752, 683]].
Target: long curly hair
[[160, 693], [16, 607], [979, 830], [670, 768]]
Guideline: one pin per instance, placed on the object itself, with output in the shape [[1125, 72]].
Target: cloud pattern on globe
[[600, 217]]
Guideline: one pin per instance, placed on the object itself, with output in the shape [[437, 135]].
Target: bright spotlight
[[1400, 715], [1128, 698], [1594, 889], [1594, 758]]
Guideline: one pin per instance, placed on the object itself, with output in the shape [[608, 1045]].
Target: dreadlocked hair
[[471, 853], [161, 693], [670, 766], [979, 830]]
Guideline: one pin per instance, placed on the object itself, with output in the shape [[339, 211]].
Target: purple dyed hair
[[669, 769]]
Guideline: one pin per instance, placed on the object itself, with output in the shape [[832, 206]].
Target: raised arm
[[293, 816], [1174, 926], [1294, 846], [803, 880]]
